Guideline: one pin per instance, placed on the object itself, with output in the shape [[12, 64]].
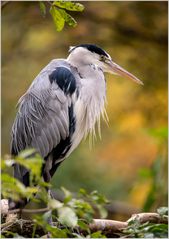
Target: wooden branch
[[106, 226], [149, 217], [117, 226]]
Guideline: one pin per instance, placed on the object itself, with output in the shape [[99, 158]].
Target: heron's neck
[[86, 70]]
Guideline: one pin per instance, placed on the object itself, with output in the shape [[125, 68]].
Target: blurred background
[[129, 163]]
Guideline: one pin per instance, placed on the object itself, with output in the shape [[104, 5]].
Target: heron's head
[[85, 54]]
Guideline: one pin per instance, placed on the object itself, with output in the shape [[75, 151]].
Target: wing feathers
[[56, 134], [43, 116], [45, 142], [61, 128]]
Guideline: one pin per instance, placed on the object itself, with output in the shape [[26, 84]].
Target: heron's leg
[[46, 168]]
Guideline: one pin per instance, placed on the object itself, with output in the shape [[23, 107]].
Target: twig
[[5, 209], [29, 210]]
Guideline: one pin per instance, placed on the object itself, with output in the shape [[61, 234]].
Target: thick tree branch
[[149, 217], [104, 225]]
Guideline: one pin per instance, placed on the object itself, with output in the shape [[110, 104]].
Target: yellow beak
[[116, 69]]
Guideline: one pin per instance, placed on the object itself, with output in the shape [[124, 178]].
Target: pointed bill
[[116, 69]]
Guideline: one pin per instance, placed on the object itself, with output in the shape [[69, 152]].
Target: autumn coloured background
[[129, 163]]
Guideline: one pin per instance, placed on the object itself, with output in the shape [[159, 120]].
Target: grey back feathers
[[43, 115]]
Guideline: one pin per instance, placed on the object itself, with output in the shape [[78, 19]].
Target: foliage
[[148, 230], [13, 188], [71, 216], [58, 11]]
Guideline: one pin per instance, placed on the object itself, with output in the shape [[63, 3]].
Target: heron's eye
[[102, 58]]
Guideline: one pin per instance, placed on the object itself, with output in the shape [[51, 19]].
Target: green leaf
[[83, 225], [158, 230], [42, 8], [31, 190], [69, 19], [47, 215], [68, 5], [34, 164], [10, 180], [67, 193], [56, 232], [54, 204], [97, 234], [82, 192], [44, 184], [83, 209], [98, 197], [59, 21], [13, 188], [67, 217]]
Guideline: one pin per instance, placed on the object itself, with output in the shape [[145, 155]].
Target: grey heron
[[62, 106]]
